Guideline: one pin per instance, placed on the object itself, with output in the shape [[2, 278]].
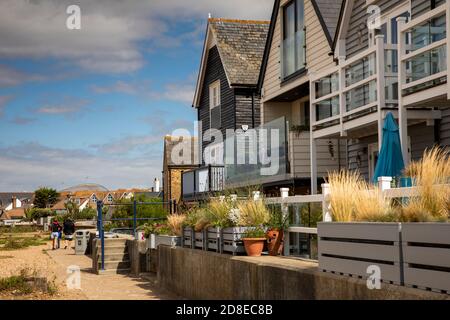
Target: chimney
[[13, 200], [156, 185]]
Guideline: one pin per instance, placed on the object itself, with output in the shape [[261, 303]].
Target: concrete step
[[115, 265], [114, 257]]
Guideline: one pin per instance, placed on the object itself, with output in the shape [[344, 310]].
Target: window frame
[[214, 103], [301, 70]]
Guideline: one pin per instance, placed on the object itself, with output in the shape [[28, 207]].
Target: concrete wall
[[137, 250], [196, 274]]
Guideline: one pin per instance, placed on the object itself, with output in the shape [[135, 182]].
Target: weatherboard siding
[[317, 50], [419, 7], [422, 137], [445, 128], [244, 109], [300, 159], [357, 38], [215, 71]]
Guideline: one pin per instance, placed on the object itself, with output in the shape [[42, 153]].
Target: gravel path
[[37, 261], [53, 264]]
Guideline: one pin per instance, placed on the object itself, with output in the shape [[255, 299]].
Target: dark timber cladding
[[233, 58], [357, 38], [215, 71]]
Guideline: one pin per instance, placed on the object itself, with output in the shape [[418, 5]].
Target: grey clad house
[[394, 63], [333, 69]]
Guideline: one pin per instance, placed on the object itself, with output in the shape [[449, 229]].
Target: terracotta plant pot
[[275, 241], [254, 246]]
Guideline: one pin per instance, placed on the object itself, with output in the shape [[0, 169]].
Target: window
[[293, 37], [94, 198], [214, 105], [110, 198]]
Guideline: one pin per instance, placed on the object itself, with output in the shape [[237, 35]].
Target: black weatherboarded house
[[226, 94]]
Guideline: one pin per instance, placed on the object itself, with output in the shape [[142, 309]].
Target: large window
[[214, 105], [293, 38]]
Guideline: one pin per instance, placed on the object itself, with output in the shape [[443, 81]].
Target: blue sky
[[93, 105]]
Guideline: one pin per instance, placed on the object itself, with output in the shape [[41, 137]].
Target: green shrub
[[255, 233]]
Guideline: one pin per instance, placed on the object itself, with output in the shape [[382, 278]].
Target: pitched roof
[[60, 205], [13, 214], [328, 12], [241, 46]]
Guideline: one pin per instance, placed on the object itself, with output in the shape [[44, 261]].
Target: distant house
[[19, 198], [16, 213], [172, 171], [13, 204]]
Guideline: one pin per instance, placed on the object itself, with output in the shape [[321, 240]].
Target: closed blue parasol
[[390, 160]]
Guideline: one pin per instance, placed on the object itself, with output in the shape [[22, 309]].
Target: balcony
[[350, 95], [200, 183], [423, 50]]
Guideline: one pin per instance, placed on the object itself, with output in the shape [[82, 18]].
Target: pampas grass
[[432, 176], [353, 199], [219, 213], [252, 213], [344, 185], [175, 223]]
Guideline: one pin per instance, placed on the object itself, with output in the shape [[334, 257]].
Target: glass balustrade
[[360, 70], [361, 95], [426, 64], [327, 108]]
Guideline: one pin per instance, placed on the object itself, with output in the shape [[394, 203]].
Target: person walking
[[55, 227], [69, 230]]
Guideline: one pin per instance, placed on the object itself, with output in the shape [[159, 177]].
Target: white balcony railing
[[423, 49], [356, 87]]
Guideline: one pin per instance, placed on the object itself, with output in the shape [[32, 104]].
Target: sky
[[93, 105]]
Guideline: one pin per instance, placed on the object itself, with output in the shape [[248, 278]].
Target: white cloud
[[127, 144], [30, 165], [119, 86], [68, 107], [111, 31]]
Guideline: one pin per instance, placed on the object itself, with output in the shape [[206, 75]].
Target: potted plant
[[255, 216], [275, 233], [254, 240]]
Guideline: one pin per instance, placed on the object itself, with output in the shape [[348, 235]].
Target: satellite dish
[[244, 127]]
